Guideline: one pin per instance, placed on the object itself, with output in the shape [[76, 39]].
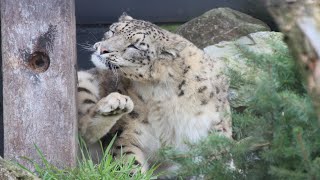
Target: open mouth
[[107, 62], [111, 65]]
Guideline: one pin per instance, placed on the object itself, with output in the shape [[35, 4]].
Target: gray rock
[[260, 43], [222, 24], [9, 171]]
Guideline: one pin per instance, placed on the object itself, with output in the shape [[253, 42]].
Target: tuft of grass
[[108, 168]]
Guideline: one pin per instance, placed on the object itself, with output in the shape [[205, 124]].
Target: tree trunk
[[39, 80], [299, 20]]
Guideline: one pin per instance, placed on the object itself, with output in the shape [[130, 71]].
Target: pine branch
[[305, 156]]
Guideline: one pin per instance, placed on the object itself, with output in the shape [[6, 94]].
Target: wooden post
[[299, 20], [39, 80]]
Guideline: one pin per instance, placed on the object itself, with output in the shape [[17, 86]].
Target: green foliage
[[275, 137], [170, 27], [210, 157], [107, 169]]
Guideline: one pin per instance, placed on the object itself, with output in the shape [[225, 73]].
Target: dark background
[[94, 16]]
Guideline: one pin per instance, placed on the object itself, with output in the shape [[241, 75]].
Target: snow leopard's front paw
[[114, 104]]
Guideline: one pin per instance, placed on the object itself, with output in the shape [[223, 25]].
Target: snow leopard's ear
[[125, 17]]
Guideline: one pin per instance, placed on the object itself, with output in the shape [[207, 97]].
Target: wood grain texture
[[299, 20], [39, 80]]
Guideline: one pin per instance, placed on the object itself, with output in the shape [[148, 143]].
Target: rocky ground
[[10, 171]]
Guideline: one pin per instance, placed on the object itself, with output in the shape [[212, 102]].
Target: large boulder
[[238, 63], [222, 24]]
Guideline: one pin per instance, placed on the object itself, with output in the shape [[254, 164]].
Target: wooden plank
[[39, 80], [299, 20]]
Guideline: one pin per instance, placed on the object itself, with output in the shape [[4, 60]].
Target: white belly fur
[[177, 125]]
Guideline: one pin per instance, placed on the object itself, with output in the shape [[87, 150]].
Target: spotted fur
[[174, 86]]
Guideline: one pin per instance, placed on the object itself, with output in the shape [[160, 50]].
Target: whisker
[[111, 66], [115, 72], [96, 39], [122, 70], [87, 46], [117, 78]]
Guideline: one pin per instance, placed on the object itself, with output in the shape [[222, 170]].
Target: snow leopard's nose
[[104, 50]]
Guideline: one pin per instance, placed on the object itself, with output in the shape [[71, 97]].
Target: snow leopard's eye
[[132, 46]]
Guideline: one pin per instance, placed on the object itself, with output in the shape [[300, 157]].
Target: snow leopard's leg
[[135, 142], [98, 116], [130, 147]]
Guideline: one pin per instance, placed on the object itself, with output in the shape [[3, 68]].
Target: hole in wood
[[39, 62]]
